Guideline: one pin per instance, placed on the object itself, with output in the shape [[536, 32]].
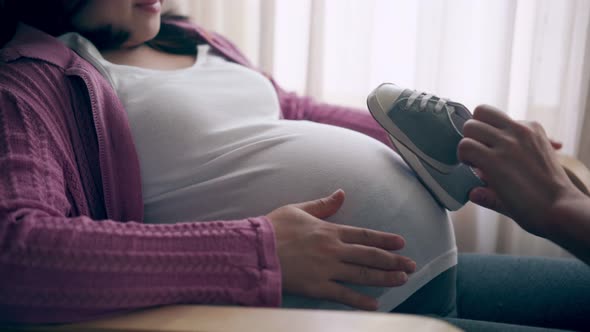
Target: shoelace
[[424, 99]]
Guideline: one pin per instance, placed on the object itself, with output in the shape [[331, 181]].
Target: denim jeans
[[508, 293]]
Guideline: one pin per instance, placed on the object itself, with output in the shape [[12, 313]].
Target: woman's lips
[[151, 6]]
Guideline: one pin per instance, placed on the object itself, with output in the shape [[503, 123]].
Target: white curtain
[[528, 57]]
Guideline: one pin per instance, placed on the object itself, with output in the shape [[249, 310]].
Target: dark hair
[[173, 39], [54, 17]]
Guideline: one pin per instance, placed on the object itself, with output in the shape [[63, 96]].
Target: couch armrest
[[224, 319], [577, 172]]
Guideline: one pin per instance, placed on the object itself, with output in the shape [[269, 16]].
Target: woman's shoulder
[[34, 82], [34, 67], [32, 52]]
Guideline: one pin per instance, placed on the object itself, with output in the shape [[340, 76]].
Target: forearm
[[570, 226], [57, 270]]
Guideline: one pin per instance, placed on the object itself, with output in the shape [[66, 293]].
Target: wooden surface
[[225, 319]]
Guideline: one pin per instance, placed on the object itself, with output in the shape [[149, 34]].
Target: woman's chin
[[140, 39]]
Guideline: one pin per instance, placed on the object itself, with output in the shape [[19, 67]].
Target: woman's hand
[[525, 179], [315, 255]]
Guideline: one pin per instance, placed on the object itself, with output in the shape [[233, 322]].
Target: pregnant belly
[[295, 161]]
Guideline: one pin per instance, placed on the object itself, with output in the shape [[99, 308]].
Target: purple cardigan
[[72, 243]]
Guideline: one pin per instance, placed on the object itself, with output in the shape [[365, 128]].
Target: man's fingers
[[480, 174], [362, 275], [342, 294], [474, 153], [376, 258], [487, 198], [534, 126], [370, 238], [555, 144], [492, 116], [482, 132]]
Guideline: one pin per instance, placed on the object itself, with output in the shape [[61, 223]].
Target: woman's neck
[[125, 56]]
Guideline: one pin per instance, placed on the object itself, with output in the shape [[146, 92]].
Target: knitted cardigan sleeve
[[56, 268]]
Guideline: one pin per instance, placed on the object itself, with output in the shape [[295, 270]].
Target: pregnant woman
[[145, 162]]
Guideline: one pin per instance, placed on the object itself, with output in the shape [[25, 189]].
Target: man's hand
[[518, 162], [316, 255]]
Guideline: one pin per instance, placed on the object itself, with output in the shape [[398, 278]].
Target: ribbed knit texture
[[59, 266], [72, 244]]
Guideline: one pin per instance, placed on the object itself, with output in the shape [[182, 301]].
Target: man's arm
[[569, 226], [525, 179]]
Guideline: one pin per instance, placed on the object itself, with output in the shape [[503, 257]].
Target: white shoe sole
[[439, 193], [380, 114]]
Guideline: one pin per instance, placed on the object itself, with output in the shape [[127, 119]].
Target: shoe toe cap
[[387, 94]]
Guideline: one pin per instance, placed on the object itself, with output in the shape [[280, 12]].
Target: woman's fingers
[[314, 253], [372, 257], [370, 238], [363, 275], [342, 294], [323, 207]]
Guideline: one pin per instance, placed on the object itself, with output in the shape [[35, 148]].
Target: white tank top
[[212, 146]]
